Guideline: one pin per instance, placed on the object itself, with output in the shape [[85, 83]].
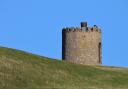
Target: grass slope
[[21, 70]]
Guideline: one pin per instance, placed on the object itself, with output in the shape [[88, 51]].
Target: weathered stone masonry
[[82, 45]]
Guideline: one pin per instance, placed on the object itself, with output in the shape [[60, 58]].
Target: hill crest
[[22, 70]]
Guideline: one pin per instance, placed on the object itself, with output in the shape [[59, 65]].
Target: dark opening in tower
[[99, 52]]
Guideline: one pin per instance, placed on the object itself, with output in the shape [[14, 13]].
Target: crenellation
[[99, 30], [86, 29]]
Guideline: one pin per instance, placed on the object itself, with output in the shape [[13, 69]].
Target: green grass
[[22, 70]]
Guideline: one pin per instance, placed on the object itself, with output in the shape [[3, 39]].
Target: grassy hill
[[21, 70]]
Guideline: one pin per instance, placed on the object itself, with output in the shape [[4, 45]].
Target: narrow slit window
[[99, 52]]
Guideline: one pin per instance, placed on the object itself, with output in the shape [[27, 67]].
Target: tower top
[[84, 28], [83, 24]]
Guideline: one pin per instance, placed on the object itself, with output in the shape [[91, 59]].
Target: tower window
[[99, 52]]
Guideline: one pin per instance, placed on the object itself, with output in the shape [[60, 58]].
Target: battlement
[[83, 28]]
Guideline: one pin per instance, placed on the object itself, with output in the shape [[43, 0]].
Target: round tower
[[82, 45]]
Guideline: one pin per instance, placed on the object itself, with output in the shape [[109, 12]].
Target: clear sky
[[35, 25]]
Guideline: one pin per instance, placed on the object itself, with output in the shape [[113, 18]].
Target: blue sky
[[35, 25]]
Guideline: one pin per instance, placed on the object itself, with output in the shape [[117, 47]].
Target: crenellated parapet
[[83, 28]]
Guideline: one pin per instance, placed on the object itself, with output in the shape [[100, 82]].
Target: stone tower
[[82, 45]]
